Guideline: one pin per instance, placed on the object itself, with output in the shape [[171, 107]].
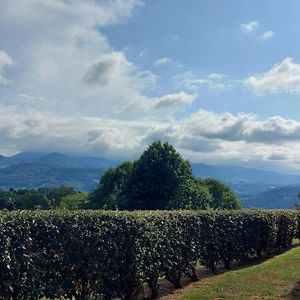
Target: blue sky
[[220, 80]]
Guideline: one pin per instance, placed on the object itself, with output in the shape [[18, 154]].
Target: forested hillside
[[255, 187]]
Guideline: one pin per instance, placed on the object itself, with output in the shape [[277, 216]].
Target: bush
[[84, 254]]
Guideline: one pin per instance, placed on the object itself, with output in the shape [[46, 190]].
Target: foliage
[[74, 201], [110, 191], [42, 198], [7, 199], [85, 254], [156, 178], [159, 179], [223, 197], [193, 195]]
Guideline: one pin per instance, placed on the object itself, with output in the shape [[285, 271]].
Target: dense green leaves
[[156, 178], [160, 179], [85, 254], [110, 191], [223, 197]]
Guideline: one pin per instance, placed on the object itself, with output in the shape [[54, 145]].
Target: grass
[[276, 278]]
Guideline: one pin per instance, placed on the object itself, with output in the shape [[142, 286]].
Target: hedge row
[[96, 254]]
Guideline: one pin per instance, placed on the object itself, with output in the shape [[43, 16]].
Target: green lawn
[[276, 278]]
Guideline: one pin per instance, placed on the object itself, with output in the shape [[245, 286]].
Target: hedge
[[98, 254]]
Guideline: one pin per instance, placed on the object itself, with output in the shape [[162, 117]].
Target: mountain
[[33, 175], [34, 170], [255, 187], [279, 197], [242, 174], [58, 159]]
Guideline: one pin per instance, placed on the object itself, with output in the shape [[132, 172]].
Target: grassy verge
[[276, 278]]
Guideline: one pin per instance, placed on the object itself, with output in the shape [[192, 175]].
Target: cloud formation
[[249, 27], [214, 82], [281, 78], [71, 90], [266, 35], [203, 136], [163, 61], [63, 55], [170, 102], [5, 60]]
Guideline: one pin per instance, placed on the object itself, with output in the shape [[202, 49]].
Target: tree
[[74, 201], [159, 179], [156, 178], [31, 199], [55, 194], [193, 195], [223, 197], [7, 199], [109, 194]]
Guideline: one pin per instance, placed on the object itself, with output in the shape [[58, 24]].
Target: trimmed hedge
[[107, 255]]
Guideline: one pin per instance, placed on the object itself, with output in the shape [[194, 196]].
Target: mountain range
[[256, 188]]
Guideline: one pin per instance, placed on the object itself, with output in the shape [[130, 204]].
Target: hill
[[279, 197], [255, 187], [37, 175], [34, 170], [242, 174]]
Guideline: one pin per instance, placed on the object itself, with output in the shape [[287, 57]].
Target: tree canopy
[[160, 179]]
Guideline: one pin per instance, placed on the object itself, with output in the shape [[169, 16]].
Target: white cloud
[[5, 60], [281, 154], [204, 136], [214, 82], [114, 67], [266, 35], [249, 27], [59, 45], [163, 61], [170, 103], [243, 127], [282, 78], [72, 89], [31, 98], [216, 76]]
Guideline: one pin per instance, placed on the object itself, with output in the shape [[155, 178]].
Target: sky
[[219, 80]]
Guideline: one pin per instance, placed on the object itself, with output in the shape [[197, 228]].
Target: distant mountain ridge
[[255, 187], [58, 159], [34, 170], [251, 175], [282, 197]]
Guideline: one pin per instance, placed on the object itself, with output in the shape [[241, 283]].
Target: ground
[[275, 278]]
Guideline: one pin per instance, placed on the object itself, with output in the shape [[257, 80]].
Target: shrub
[[84, 254]]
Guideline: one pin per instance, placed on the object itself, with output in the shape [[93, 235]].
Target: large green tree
[[160, 179], [157, 177]]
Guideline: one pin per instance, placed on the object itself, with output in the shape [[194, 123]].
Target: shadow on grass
[[295, 293], [167, 289]]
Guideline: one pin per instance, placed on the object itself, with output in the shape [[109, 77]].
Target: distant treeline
[[43, 198]]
